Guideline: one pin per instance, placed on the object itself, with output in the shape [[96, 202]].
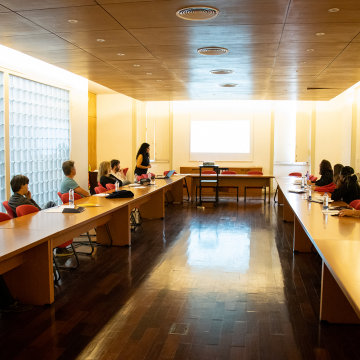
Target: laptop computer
[[170, 173]]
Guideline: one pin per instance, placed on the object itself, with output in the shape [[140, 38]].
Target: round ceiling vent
[[228, 85], [221, 71], [197, 13], [212, 50]]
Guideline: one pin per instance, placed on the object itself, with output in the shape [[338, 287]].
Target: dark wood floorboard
[[227, 274]]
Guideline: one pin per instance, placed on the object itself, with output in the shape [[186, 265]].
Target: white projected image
[[230, 137]]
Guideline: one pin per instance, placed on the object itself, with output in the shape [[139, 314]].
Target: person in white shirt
[[117, 172]]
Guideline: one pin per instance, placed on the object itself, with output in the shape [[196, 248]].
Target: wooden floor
[[226, 277]]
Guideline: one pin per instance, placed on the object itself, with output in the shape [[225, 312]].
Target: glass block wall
[[39, 135], [2, 144]]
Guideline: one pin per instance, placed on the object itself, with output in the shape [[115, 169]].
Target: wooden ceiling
[[268, 43]]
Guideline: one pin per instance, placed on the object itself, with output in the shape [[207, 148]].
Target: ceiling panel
[[125, 53], [162, 13], [308, 11], [18, 5], [57, 20], [3, 9], [12, 24], [208, 34], [319, 49]]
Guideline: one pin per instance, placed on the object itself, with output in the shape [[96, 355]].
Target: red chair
[[65, 197], [184, 184], [100, 190], [30, 209], [355, 204], [4, 217], [254, 187], [145, 176], [101, 186], [296, 174], [228, 172], [210, 172], [110, 186], [8, 209], [59, 195], [125, 171]]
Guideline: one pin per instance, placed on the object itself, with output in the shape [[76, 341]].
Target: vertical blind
[[2, 142], [39, 135]]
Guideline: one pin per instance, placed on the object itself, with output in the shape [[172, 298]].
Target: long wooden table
[[337, 240], [240, 180], [27, 243]]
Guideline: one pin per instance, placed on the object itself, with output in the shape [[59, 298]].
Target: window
[[2, 142], [39, 135]]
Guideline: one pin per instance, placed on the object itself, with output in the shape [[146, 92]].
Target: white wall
[[28, 67]]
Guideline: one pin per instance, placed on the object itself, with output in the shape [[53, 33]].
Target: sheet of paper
[[57, 209], [89, 205], [102, 194], [330, 212], [133, 185]]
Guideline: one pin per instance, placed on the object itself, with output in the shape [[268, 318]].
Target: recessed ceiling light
[[320, 34], [136, 65], [212, 50], [302, 62], [310, 50], [296, 70], [221, 71], [197, 13], [72, 21], [148, 73], [121, 54], [334, 10], [228, 85], [100, 40]]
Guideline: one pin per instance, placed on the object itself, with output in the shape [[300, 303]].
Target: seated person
[[348, 212], [347, 188], [68, 182], [337, 169], [104, 176], [22, 195], [7, 302], [117, 172], [326, 172]]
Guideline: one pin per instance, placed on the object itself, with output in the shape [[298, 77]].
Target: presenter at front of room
[[143, 160]]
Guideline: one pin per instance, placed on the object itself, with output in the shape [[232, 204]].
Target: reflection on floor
[[223, 281]]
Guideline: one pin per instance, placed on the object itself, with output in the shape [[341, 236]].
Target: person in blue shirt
[[68, 182]]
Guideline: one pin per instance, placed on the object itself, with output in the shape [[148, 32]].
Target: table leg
[[119, 227], [334, 306], [280, 197], [269, 190], [193, 190], [154, 208], [33, 281], [301, 241], [288, 214]]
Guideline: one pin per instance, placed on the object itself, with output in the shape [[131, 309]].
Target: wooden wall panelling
[[92, 131]]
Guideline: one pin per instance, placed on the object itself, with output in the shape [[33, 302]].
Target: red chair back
[[166, 172], [100, 190], [26, 209], [65, 197], [254, 173], [297, 174], [101, 186], [145, 176], [208, 172], [60, 195], [8, 209], [4, 217], [125, 171], [110, 186], [355, 204], [228, 172]]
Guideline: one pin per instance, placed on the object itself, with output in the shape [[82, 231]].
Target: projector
[[209, 163]]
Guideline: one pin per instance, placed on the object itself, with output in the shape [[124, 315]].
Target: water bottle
[[135, 179], [309, 193], [326, 202], [302, 182], [116, 185], [307, 175], [71, 197]]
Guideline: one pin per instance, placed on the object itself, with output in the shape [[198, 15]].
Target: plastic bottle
[[307, 175], [309, 193], [116, 185], [135, 179], [71, 197], [302, 182], [326, 202], [89, 167]]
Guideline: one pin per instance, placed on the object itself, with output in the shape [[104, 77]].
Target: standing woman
[[143, 159], [347, 187]]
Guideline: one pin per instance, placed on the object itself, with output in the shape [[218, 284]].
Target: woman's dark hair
[[17, 182], [325, 165], [351, 181], [143, 150], [337, 171]]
